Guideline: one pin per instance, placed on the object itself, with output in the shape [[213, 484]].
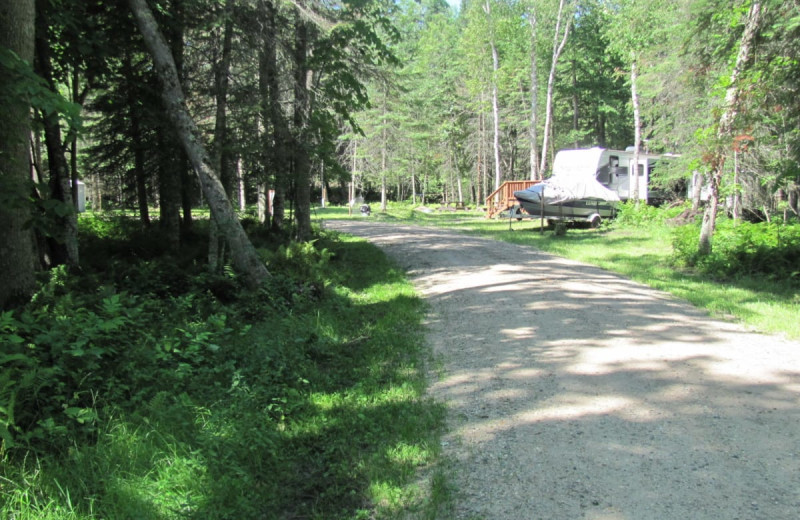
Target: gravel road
[[577, 393]]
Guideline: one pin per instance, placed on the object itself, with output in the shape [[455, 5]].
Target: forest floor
[[576, 393]]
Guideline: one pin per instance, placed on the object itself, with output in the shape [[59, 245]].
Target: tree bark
[[136, 142], [558, 48], [244, 256], [169, 186], [575, 105], [725, 128], [221, 163], [498, 174], [241, 184], [65, 247], [277, 143], [183, 195], [17, 254], [221, 74], [637, 133], [534, 123], [302, 116], [495, 109], [384, 145], [413, 185]]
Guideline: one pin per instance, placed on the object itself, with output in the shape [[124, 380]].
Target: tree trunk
[[495, 109], [575, 105], [697, 189], [261, 202], [481, 166], [220, 158], [65, 247], [726, 121], [73, 155], [458, 180], [737, 192], [17, 255], [221, 74], [169, 187], [276, 145], [794, 196], [302, 114], [384, 144], [558, 47], [181, 201], [413, 185], [498, 174], [136, 142], [241, 184], [633, 173], [534, 123], [245, 258]]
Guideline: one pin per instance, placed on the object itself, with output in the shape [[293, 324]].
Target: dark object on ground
[[365, 210]]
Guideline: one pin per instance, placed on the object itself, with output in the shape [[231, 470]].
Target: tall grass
[[639, 245]]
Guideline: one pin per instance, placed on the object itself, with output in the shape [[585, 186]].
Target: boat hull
[[581, 209]]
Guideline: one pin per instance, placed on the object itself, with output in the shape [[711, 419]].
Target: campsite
[[431, 259]]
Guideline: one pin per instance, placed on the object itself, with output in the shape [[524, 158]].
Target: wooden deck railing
[[503, 199]]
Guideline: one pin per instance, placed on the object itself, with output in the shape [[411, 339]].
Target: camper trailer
[[587, 184], [611, 168]]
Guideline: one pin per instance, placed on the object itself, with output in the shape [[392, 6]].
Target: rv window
[[604, 175]]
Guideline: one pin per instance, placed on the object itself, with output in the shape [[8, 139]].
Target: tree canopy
[[390, 100]]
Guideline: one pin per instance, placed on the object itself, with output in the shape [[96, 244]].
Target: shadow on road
[[575, 393]]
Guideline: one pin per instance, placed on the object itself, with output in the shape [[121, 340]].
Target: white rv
[[610, 167]]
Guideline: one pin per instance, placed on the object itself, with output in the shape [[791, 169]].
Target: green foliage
[[30, 89], [304, 261], [743, 250], [154, 389], [631, 214]]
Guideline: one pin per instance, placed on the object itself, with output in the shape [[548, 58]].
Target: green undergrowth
[[151, 389], [751, 277]]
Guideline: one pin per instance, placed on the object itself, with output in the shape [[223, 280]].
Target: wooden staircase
[[502, 199]]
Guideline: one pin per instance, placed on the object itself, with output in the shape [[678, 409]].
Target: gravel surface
[[577, 393]]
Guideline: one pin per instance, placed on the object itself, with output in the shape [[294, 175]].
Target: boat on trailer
[[572, 200], [587, 184]]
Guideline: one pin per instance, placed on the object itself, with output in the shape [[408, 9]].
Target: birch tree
[[495, 107], [560, 35], [635, 28], [724, 134], [244, 256], [534, 94]]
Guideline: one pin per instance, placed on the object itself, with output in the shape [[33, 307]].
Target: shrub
[[746, 249], [638, 215]]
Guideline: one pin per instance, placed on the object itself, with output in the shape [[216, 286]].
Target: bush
[[764, 249], [630, 214], [154, 389]]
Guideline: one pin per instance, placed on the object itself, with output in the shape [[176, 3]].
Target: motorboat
[[569, 198]]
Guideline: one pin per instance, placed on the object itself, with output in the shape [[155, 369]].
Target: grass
[[642, 253], [304, 401], [315, 409]]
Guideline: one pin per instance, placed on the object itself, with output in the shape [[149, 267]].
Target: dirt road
[[576, 393]]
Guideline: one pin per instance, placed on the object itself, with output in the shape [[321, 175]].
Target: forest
[[162, 163]]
